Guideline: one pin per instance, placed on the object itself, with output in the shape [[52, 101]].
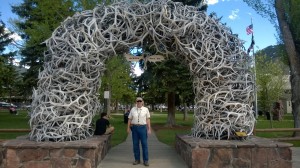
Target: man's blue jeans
[[139, 134]]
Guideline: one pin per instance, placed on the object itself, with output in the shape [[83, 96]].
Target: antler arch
[[66, 98]]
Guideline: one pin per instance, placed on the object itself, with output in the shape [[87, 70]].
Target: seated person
[[103, 126], [13, 110]]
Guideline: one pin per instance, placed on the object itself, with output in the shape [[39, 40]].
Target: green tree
[[38, 19], [269, 78], [7, 71], [117, 81], [169, 78], [81, 5], [147, 89], [288, 15]]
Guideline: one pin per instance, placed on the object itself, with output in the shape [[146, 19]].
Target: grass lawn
[[158, 120], [9, 121], [166, 135]]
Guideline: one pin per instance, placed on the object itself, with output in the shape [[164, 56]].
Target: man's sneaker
[[136, 162], [146, 163]]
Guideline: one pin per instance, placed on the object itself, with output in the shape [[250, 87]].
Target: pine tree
[[7, 71], [38, 19]]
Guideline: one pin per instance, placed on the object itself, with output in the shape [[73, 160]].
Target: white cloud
[[14, 36], [137, 70], [234, 14], [211, 2]]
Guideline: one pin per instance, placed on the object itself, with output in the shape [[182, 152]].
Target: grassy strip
[[120, 133], [9, 121], [164, 134], [21, 121]]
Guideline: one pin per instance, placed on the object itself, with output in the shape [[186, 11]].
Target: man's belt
[[138, 124]]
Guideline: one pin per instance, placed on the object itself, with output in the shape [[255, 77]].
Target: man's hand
[[128, 130]]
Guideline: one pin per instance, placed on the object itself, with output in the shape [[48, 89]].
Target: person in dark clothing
[[103, 126], [13, 110], [126, 116]]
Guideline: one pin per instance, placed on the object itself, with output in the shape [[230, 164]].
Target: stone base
[[254, 152], [23, 153]]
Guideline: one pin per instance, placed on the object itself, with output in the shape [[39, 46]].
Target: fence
[[15, 130]]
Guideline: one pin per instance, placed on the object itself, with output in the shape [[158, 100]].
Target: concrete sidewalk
[[160, 155], [296, 157]]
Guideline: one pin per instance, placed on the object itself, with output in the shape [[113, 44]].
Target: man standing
[[139, 124]]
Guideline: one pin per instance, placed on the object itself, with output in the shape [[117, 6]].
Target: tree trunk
[[185, 112], [117, 106], [171, 110], [152, 107], [294, 61]]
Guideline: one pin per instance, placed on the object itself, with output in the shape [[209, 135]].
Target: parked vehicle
[[11, 107], [4, 105]]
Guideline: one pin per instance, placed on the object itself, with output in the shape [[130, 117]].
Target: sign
[[152, 58], [155, 58], [132, 58], [106, 94]]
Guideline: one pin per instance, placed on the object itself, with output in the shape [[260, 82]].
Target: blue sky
[[236, 14], [5, 10], [6, 14]]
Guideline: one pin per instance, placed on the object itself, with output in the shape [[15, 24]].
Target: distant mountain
[[20, 70], [273, 51], [276, 52]]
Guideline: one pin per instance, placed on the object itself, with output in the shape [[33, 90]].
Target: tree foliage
[[164, 81], [81, 5], [287, 14], [7, 71], [117, 80], [269, 78], [293, 19], [38, 19]]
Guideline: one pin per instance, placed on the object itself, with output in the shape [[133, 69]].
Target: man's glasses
[[139, 101]]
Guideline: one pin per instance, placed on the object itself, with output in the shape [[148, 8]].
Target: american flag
[[249, 29]]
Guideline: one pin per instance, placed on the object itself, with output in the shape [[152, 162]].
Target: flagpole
[[255, 88]]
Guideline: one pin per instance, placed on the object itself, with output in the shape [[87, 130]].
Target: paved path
[[160, 155], [296, 157]]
